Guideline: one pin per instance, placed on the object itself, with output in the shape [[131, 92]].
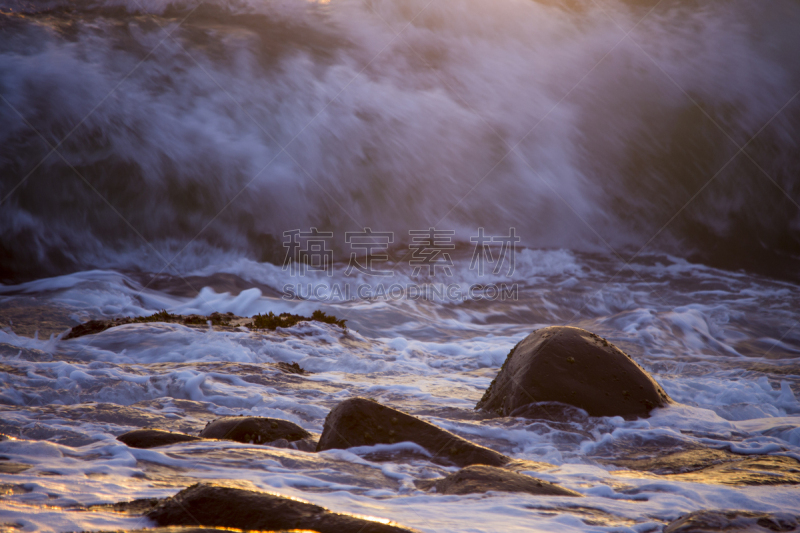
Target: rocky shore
[[560, 374]]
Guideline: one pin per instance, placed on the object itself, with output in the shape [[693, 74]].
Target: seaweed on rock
[[272, 321]]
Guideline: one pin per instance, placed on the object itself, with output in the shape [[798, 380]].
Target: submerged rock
[[717, 466], [268, 431], [56, 435], [362, 422], [217, 506], [9, 467], [150, 438], [26, 316], [551, 411], [256, 430], [482, 478], [716, 521], [679, 462], [304, 445], [575, 367]]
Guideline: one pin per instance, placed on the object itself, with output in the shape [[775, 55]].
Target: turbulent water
[[721, 344], [152, 155], [223, 123]]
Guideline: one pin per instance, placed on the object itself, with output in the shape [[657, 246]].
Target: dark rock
[[718, 467], [191, 530], [95, 326], [362, 422], [286, 320], [225, 321], [293, 368], [716, 521], [576, 367], [254, 430], [482, 478], [212, 505], [150, 438], [215, 318]]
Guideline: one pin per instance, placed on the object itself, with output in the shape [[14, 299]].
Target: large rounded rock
[[256, 430], [576, 367], [362, 422], [482, 478], [215, 506]]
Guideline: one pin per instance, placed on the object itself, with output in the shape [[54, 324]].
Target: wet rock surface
[[57, 435], [317, 473], [255, 430], [9, 351], [638, 446], [151, 438], [718, 467], [363, 422], [716, 521], [147, 414], [674, 463], [575, 367], [482, 478], [217, 506]]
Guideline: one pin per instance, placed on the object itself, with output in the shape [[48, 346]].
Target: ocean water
[[721, 344], [152, 155]]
